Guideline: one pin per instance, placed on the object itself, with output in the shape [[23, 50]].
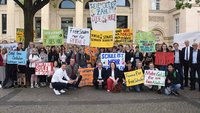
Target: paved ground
[[88, 100]]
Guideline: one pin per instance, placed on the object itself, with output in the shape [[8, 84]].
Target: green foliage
[[182, 4]]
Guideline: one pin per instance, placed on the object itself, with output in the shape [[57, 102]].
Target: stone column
[[10, 20], [45, 18], [79, 14]]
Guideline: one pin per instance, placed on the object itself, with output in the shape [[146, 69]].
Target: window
[[4, 23], [89, 24], [38, 27], [65, 23], [155, 4], [3, 2], [123, 3], [67, 4], [177, 25], [122, 21]]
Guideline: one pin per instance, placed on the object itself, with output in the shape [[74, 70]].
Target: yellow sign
[[134, 77], [123, 36], [101, 39], [19, 35]]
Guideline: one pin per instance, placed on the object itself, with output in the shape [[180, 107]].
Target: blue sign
[[17, 57], [118, 58]]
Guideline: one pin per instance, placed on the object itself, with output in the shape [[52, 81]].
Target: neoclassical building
[[159, 16]]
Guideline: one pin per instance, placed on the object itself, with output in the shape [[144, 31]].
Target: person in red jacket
[[2, 70]]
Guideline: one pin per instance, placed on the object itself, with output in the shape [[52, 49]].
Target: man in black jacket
[[186, 54], [99, 76], [195, 66]]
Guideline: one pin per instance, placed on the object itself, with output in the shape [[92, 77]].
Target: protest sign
[[118, 58], [92, 53], [164, 58], [102, 39], [134, 78], [192, 37], [153, 77], [123, 36], [78, 36], [16, 57], [10, 46], [103, 15], [44, 68], [19, 35], [146, 41], [87, 76], [53, 37]]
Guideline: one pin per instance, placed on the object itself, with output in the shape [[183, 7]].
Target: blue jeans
[[173, 87], [136, 88]]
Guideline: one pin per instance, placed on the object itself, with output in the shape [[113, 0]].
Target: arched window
[[67, 4], [120, 3], [123, 3]]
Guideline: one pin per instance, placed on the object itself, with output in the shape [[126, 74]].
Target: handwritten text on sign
[[123, 36], [101, 39], [134, 77], [87, 76], [53, 37], [164, 58], [153, 77], [118, 58], [17, 57], [78, 36], [44, 69]]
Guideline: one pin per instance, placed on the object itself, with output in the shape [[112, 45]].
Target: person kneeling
[[172, 82], [58, 83]]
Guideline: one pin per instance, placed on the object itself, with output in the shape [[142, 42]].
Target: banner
[[134, 78], [193, 37], [44, 68], [19, 35], [16, 57], [118, 58], [153, 77], [123, 36], [92, 52], [164, 58], [101, 39], [87, 76], [103, 15], [78, 36], [10, 46], [53, 37], [146, 41]]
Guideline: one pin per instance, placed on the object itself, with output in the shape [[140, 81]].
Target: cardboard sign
[[103, 15], [19, 35], [123, 36], [164, 58], [78, 36], [17, 57], [134, 78], [92, 52], [87, 76], [146, 41], [101, 39], [153, 77], [44, 69], [10, 46], [53, 37], [118, 58]]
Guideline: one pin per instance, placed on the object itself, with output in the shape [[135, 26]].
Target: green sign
[[146, 41], [53, 37]]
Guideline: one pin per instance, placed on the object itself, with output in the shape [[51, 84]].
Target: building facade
[[159, 16]]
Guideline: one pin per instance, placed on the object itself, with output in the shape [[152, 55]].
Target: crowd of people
[[68, 59]]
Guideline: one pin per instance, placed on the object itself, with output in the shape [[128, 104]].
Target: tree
[[182, 4], [29, 8]]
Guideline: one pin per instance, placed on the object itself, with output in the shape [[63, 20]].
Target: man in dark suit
[[186, 54], [178, 62], [99, 76], [195, 66]]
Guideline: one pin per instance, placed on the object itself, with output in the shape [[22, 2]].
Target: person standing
[[186, 54], [195, 66], [2, 70]]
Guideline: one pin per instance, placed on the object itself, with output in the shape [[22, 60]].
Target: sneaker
[[50, 86], [37, 86], [0, 86], [175, 93], [32, 86], [56, 92], [108, 90], [62, 91]]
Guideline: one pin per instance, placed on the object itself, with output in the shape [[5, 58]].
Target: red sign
[[164, 58], [44, 69]]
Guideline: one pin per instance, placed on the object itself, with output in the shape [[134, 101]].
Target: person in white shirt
[[57, 81], [34, 58]]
